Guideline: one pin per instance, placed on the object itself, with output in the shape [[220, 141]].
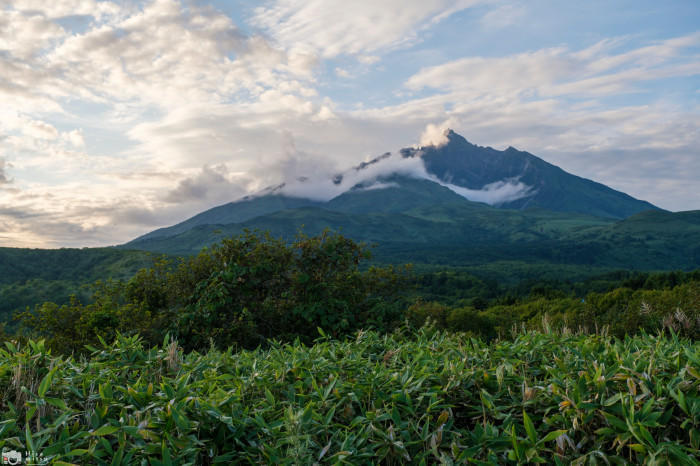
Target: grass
[[425, 398]]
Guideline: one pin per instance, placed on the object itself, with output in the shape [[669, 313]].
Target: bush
[[240, 293]]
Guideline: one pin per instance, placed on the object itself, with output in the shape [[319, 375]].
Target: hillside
[[32, 276], [86, 264], [421, 221]]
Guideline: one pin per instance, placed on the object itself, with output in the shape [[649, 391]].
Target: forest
[[245, 290]]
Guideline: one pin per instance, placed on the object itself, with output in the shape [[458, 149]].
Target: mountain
[[538, 214], [544, 185], [509, 179]]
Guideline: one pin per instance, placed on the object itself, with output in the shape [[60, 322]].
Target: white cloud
[[322, 187], [361, 27], [342, 73], [62, 8], [495, 193], [74, 137], [503, 16], [40, 130], [173, 78], [558, 71], [4, 179], [368, 59], [434, 135], [213, 184]]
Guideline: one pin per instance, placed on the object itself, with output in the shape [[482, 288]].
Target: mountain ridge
[[509, 179]]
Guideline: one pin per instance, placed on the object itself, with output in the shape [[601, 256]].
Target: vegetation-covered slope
[[18, 264], [233, 212], [469, 234], [32, 276]]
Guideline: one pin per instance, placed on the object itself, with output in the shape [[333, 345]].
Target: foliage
[[33, 276], [76, 265], [674, 304], [423, 398], [240, 292], [71, 326]]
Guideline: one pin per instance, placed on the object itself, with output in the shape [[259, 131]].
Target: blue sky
[[121, 117]]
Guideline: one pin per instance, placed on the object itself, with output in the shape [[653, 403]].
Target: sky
[[117, 118]]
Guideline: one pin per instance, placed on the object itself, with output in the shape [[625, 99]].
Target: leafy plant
[[424, 397]]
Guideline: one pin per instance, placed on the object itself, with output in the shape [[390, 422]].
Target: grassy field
[[424, 398]]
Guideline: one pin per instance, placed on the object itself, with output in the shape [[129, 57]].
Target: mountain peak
[[456, 139]]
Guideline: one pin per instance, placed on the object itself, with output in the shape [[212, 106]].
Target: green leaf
[[167, 461], [329, 417], [639, 448], [105, 430], [553, 435], [105, 391], [529, 428], [46, 382], [269, 397], [28, 437], [57, 403], [180, 420], [516, 445]]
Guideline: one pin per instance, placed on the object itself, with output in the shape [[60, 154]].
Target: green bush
[[238, 293]]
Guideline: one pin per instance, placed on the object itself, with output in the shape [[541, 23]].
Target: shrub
[[240, 293]]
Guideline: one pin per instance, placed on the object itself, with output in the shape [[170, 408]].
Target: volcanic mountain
[[455, 172], [457, 203]]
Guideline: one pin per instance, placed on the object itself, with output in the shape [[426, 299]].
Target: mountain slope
[[415, 206], [473, 167], [470, 234], [396, 194], [233, 212]]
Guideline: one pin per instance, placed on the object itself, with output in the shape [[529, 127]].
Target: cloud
[[41, 130], [551, 72], [503, 16], [74, 137], [496, 193], [325, 185], [435, 136], [361, 27], [65, 8], [211, 183], [378, 185], [4, 179], [342, 73], [372, 175]]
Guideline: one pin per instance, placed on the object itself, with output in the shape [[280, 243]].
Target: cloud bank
[[373, 174], [495, 194]]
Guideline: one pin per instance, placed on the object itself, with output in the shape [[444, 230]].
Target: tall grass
[[425, 398]]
